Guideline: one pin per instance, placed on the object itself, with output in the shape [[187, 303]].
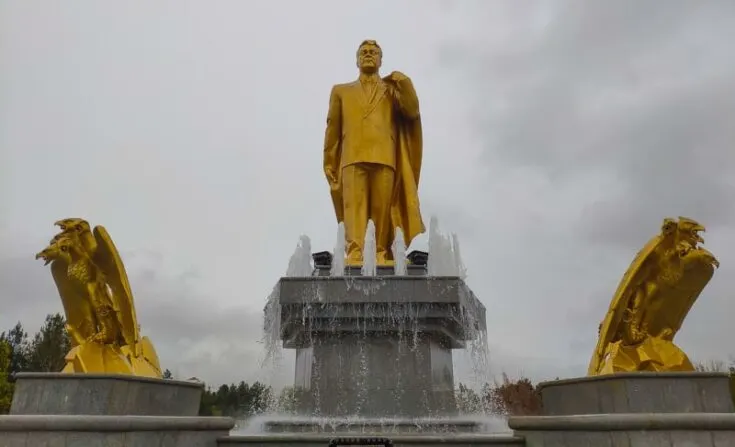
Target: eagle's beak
[[697, 229], [60, 224], [43, 255]]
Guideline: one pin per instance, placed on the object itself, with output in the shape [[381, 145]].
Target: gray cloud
[[601, 119], [557, 138], [638, 94]]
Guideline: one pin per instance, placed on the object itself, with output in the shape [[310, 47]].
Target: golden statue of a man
[[372, 156]]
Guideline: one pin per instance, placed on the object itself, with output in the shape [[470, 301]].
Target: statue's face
[[369, 58]]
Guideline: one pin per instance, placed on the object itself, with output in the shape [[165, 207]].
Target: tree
[[6, 387], [712, 366], [516, 398], [17, 340], [241, 400], [468, 401], [50, 345], [290, 400]]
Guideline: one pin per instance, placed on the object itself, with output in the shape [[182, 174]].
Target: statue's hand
[[331, 178], [397, 76]]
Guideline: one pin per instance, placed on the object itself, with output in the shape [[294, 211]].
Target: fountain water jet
[[459, 264], [369, 255], [300, 262], [338, 258], [399, 254], [445, 258]]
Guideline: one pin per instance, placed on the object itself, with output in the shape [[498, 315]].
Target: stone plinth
[[322, 440], [694, 392], [104, 410], [628, 430], [118, 431], [411, 270], [633, 410], [104, 394], [377, 346], [351, 426]]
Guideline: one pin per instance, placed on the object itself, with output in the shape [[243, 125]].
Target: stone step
[[387, 427], [322, 440], [120, 431], [627, 430]]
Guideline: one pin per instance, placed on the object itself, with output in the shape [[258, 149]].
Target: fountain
[[374, 328], [374, 350]]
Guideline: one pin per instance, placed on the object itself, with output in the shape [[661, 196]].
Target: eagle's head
[[59, 249], [668, 227], [689, 230], [73, 224]]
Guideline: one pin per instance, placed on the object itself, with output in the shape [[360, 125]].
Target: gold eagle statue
[[651, 302], [98, 303]]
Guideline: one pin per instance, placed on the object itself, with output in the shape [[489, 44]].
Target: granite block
[[642, 392], [103, 394], [112, 431], [377, 346]]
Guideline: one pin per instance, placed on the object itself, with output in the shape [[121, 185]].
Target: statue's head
[[369, 56]]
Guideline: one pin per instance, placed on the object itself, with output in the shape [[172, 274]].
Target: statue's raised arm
[[98, 303], [651, 302]]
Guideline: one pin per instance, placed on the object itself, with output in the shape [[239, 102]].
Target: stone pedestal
[[633, 410], [99, 410], [104, 394], [638, 393], [371, 426], [377, 346]]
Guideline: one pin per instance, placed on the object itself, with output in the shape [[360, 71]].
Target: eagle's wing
[[698, 271], [108, 260], [632, 278], [77, 307]]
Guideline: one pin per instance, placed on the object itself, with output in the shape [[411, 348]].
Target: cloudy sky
[[557, 136]]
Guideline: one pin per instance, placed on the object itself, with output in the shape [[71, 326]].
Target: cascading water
[[399, 254], [444, 260], [369, 254], [299, 265], [338, 258]]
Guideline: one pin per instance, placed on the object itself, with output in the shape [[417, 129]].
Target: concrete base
[[627, 430], [694, 392], [385, 427], [312, 440], [103, 394], [633, 410], [69, 410], [377, 346], [380, 270], [118, 431]]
